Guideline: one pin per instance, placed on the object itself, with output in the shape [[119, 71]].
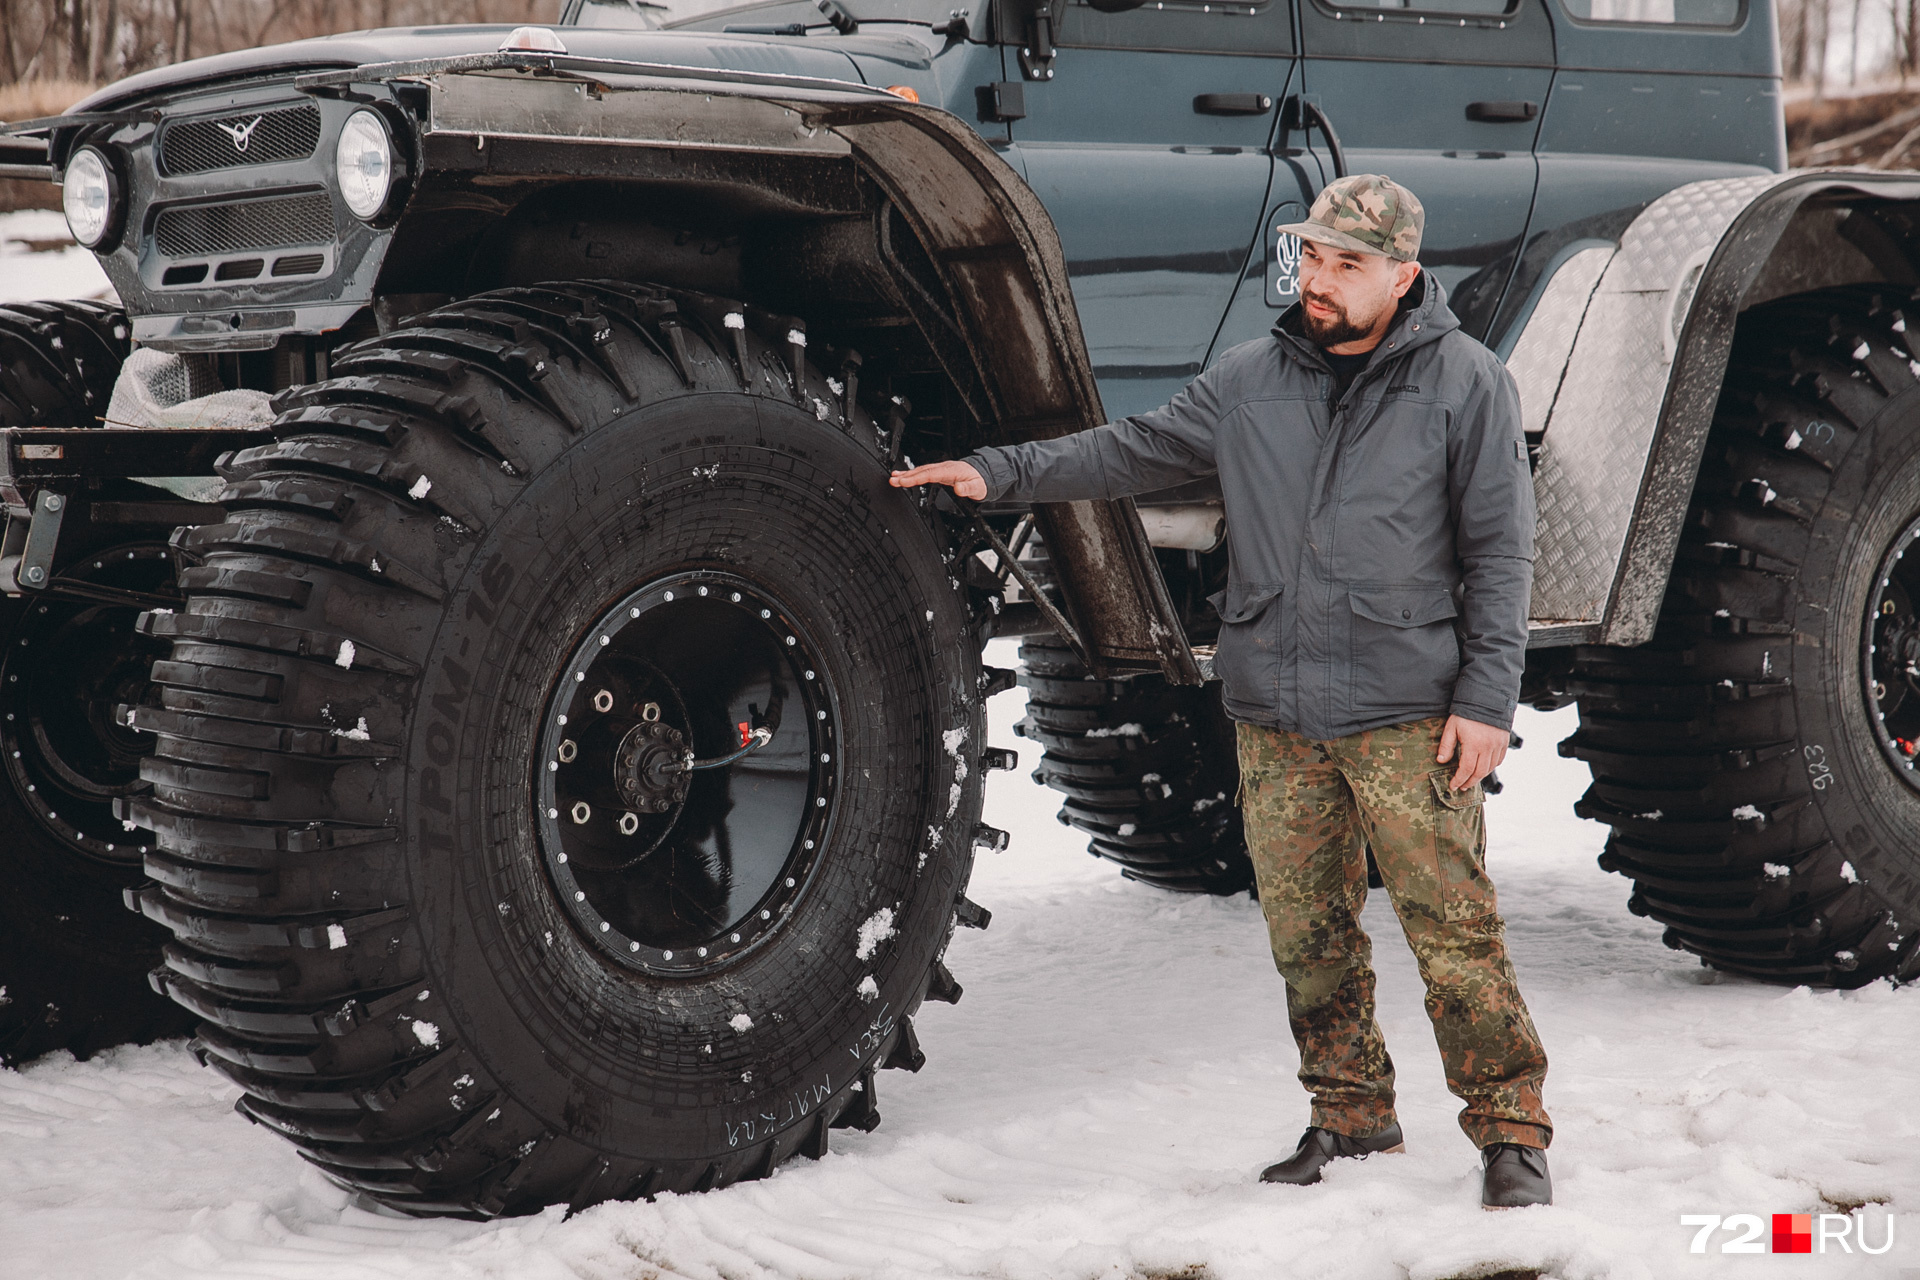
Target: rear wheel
[[457, 913], [1148, 770], [73, 963], [1756, 759]]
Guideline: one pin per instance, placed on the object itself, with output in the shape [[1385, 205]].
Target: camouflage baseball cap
[[1366, 213]]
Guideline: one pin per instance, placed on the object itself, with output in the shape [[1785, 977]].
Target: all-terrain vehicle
[[455, 596]]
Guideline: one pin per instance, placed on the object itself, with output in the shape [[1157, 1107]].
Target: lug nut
[[567, 751], [603, 700], [651, 712], [629, 823], [582, 811]]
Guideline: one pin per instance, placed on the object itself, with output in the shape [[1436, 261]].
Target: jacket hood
[[1424, 317]]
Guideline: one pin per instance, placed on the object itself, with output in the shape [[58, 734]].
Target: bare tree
[[94, 40]]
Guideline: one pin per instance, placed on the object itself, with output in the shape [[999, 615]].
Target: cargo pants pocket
[[1460, 850]]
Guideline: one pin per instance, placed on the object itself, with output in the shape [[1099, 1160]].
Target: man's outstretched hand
[[957, 476], [1481, 747]]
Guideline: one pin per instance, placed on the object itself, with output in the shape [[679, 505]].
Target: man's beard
[[1334, 331]]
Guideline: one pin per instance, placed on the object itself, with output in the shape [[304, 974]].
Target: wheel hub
[[1890, 666], [687, 773], [649, 770]]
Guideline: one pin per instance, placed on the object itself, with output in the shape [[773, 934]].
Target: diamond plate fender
[[1620, 366]]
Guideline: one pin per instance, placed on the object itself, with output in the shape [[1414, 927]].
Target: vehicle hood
[[777, 55]]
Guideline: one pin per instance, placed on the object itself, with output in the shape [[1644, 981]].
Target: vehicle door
[[1445, 98], [1146, 136], [1651, 94]]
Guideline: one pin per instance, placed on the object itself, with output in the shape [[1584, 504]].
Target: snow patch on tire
[[875, 930]]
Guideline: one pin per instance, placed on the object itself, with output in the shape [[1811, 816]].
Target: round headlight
[[87, 194], [363, 163]]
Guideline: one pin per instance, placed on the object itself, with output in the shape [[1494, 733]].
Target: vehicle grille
[[246, 224], [195, 146]]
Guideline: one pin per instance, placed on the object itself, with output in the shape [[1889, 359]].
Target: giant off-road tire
[[1148, 770], [73, 963], [1755, 761], [453, 916]]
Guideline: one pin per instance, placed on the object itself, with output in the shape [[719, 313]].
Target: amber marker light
[[903, 91]]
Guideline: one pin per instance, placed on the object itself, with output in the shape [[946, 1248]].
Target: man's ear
[[1404, 274]]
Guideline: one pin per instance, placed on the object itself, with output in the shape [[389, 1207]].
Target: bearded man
[[1379, 513]]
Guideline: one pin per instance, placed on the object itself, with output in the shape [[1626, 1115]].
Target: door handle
[[1304, 112], [1502, 112], [1233, 104]]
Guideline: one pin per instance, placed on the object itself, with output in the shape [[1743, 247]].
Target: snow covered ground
[[38, 259], [1099, 1106]]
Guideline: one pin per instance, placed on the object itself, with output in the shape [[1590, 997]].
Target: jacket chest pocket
[[1406, 655], [1252, 638]]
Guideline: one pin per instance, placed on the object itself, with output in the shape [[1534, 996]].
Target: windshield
[[803, 12]]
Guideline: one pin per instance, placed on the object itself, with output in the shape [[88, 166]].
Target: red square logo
[[1793, 1233]]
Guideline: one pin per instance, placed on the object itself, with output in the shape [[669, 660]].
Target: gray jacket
[[1381, 550]]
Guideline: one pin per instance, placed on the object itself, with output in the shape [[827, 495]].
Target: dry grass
[[31, 99], [1853, 122]]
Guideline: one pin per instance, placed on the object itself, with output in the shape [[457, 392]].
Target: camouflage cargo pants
[[1311, 810]]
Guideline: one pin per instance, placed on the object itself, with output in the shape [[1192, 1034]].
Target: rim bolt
[[582, 811]]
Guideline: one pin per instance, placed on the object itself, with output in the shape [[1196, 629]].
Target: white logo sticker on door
[[1286, 266]]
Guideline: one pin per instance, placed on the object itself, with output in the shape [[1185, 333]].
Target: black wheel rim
[[69, 666], [1890, 665], [662, 869]]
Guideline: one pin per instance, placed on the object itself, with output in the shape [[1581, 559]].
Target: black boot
[[1514, 1176], [1318, 1146]]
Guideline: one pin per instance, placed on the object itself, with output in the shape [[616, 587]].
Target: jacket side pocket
[[1406, 654], [1251, 635]]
